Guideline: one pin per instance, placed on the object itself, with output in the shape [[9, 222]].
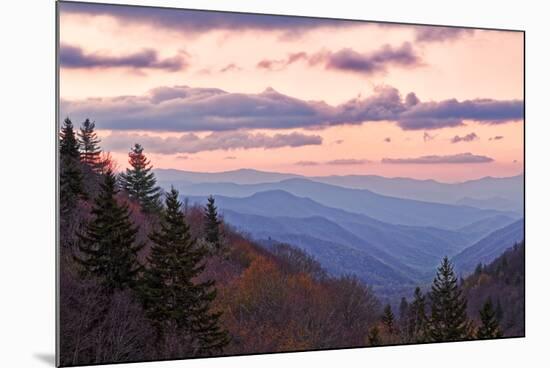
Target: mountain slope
[[338, 251], [496, 203], [490, 247], [278, 214], [480, 229], [489, 192], [241, 176], [502, 281], [387, 209]]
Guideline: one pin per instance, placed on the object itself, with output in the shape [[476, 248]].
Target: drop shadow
[[46, 358]]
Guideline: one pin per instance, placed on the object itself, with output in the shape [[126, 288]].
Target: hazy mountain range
[[487, 193], [388, 241], [490, 247]]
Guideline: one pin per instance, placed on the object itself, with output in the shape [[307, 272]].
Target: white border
[[27, 184]]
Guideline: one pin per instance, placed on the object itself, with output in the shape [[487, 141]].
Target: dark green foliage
[[173, 300], [70, 175], [374, 336], [212, 224], [418, 321], [90, 153], [388, 319], [404, 320], [504, 283], [449, 321], [489, 328], [68, 145], [140, 182], [108, 244], [498, 311], [403, 308]]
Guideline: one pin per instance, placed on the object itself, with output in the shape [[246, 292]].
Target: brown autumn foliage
[[278, 300], [272, 299]]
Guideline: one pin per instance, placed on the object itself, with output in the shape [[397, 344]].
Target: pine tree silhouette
[[70, 174], [89, 146], [170, 293], [212, 224], [388, 319], [418, 321], [140, 182], [489, 328], [448, 321], [108, 244]]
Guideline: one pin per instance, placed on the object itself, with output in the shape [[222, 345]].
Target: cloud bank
[[441, 34], [73, 57], [186, 109], [349, 60], [196, 21], [460, 158], [192, 143]]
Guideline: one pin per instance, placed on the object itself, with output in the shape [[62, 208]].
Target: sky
[[213, 91]]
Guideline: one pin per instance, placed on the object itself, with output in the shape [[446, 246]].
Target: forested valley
[[145, 275]]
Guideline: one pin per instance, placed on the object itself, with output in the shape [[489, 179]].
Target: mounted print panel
[[234, 183]]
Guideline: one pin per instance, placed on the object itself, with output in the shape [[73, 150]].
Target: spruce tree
[[90, 153], [140, 182], [448, 321], [388, 319], [418, 321], [108, 244], [404, 320], [172, 298], [374, 336], [489, 328], [70, 175], [498, 311], [68, 145], [212, 224]]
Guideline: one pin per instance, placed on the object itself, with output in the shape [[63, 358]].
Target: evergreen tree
[[70, 175], [404, 320], [498, 311], [140, 182], [172, 298], [374, 336], [212, 224], [68, 145], [449, 321], [90, 153], [108, 244], [388, 319], [418, 321], [489, 328]]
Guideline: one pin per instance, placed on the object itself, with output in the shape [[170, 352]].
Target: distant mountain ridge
[[240, 176], [361, 201], [388, 241], [407, 253], [490, 247], [487, 193]]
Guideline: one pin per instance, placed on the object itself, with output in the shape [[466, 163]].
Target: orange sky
[[476, 65]]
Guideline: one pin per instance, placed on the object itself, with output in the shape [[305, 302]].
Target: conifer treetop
[[139, 181], [108, 246], [449, 321], [89, 145]]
